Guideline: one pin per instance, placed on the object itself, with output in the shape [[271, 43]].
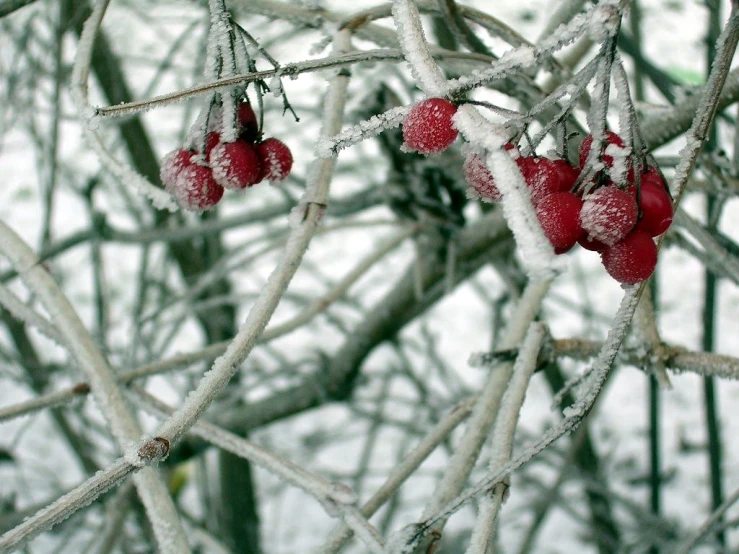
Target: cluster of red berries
[[196, 177], [616, 222]]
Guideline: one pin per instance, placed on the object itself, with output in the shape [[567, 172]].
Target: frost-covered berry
[[247, 122], [428, 127], [656, 206], [235, 164], [632, 260], [191, 185], [608, 214], [173, 164], [559, 215], [275, 158], [587, 143], [542, 176], [480, 179]]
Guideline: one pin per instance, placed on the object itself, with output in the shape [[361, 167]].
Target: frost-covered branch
[[705, 113], [713, 253], [289, 70], [120, 419], [88, 115], [306, 218], [66, 505], [501, 438], [336, 499], [485, 410], [21, 311], [415, 48], [711, 523], [400, 473], [573, 415]]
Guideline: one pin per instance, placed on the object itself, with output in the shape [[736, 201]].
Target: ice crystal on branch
[[415, 48]]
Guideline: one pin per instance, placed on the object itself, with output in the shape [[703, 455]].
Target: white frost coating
[[623, 101], [537, 253], [402, 540], [275, 85], [80, 73], [328, 147], [229, 125], [601, 367], [513, 60], [504, 431], [604, 21], [565, 34], [415, 49], [621, 162], [131, 454], [24, 312]]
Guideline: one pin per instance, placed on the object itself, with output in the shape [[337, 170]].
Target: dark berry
[[248, 122], [235, 164], [632, 260], [275, 158], [567, 173], [191, 185], [542, 176], [559, 215], [428, 128], [656, 205]]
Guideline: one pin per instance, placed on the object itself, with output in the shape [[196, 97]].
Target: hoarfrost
[[275, 85], [608, 214], [403, 540], [621, 162], [91, 116], [415, 49], [329, 147], [604, 21]]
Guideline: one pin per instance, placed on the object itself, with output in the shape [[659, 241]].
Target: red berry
[[567, 174], [248, 122], [211, 141], [608, 214], [656, 206], [235, 165], [173, 164], [480, 179], [542, 176], [611, 138], [428, 127], [191, 185], [275, 158], [559, 215], [632, 260]]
